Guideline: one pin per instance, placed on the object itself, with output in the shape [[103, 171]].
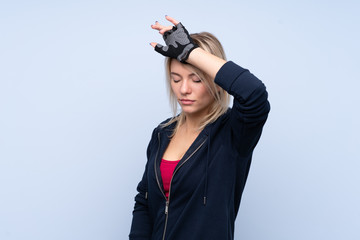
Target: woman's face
[[190, 91]]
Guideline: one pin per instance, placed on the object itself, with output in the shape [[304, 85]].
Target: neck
[[192, 123]]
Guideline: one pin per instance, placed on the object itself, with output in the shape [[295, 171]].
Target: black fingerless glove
[[178, 44]]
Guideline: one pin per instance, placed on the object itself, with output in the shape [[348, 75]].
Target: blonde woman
[[198, 160]]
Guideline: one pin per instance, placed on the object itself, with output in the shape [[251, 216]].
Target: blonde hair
[[211, 44]]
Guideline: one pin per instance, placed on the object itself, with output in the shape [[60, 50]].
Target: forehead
[[180, 68]]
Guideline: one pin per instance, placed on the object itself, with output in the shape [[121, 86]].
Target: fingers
[[156, 26], [160, 49], [172, 20], [162, 29], [165, 29]]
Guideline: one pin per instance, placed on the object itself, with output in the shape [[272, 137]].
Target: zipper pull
[[166, 207]]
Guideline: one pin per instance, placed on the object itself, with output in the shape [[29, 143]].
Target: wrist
[[184, 56], [195, 55]]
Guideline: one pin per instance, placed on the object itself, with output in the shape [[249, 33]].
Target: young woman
[[198, 161]]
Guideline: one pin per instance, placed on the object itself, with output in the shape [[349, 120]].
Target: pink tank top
[[167, 169]]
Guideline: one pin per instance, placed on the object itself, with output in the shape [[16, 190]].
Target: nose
[[185, 87]]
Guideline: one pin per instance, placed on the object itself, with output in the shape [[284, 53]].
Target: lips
[[186, 101]]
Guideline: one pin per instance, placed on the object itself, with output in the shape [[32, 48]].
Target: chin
[[187, 111], [190, 111]]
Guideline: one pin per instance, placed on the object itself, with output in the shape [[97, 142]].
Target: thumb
[[161, 49]]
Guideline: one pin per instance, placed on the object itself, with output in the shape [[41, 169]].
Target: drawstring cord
[[206, 168]]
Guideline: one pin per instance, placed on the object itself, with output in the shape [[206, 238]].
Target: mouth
[[187, 101]]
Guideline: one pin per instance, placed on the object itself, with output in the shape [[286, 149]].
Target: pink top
[[167, 169]]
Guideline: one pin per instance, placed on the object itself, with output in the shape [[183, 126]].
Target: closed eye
[[196, 79]]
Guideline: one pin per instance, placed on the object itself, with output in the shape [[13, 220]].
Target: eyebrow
[[174, 73]]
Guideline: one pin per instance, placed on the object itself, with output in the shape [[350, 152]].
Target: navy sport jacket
[[208, 182]]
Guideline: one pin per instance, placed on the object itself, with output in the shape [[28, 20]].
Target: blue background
[[81, 91]]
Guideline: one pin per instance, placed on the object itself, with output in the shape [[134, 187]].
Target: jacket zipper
[[161, 190], [168, 199], [157, 179]]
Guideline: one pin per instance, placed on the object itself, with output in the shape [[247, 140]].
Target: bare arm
[[206, 62]]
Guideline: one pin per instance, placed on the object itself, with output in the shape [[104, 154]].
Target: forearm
[[141, 227], [206, 62]]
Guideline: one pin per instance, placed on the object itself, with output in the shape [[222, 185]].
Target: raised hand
[[178, 42]]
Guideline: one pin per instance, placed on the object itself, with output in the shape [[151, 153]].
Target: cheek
[[173, 88], [205, 94], [204, 91]]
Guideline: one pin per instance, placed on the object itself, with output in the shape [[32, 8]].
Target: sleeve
[[250, 107], [141, 226]]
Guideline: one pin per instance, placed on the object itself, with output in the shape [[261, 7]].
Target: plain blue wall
[[81, 91]]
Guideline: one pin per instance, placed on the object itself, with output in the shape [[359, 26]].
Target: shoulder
[[166, 121], [164, 126]]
